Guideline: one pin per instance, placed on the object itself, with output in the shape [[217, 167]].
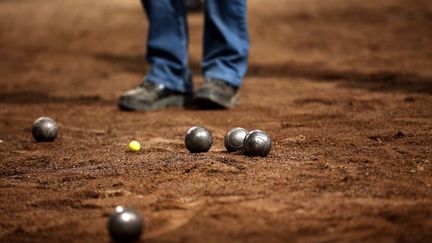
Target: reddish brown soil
[[343, 87]]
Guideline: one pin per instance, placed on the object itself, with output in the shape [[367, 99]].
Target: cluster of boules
[[199, 139]]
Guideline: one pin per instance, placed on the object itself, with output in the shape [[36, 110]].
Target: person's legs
[[226, 41], [226, 51], [168, 83], [167, 46]]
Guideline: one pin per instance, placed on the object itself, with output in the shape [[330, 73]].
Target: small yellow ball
[[134, 146]]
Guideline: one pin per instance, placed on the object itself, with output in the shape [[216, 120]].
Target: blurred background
[[97, 48]]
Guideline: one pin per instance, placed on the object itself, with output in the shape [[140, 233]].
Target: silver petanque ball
[[257, 143], [44, 129], [125, 224], [234, 138], [198, 139]]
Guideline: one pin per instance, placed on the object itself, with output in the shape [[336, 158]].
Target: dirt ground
[[343, 87]]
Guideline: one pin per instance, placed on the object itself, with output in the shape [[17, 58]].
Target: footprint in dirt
[[171, 214]]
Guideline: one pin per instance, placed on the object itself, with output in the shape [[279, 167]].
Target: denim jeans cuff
[[229, 77], [169, 84]]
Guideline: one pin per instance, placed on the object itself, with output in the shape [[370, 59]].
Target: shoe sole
[[211, 100], [173, 101]]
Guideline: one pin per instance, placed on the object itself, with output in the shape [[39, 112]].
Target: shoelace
[[220, 82], [152, 86]]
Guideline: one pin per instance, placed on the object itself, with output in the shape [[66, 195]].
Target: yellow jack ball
[[134, 146]]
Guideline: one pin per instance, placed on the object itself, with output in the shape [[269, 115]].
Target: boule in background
[[257, 143], [198, 139], [125, 224], [233, 139], [45, 129]]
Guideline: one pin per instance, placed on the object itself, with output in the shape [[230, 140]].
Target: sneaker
[[149, 97], [216, 94]]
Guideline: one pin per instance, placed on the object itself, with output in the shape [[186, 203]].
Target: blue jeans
[[226, 42]]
